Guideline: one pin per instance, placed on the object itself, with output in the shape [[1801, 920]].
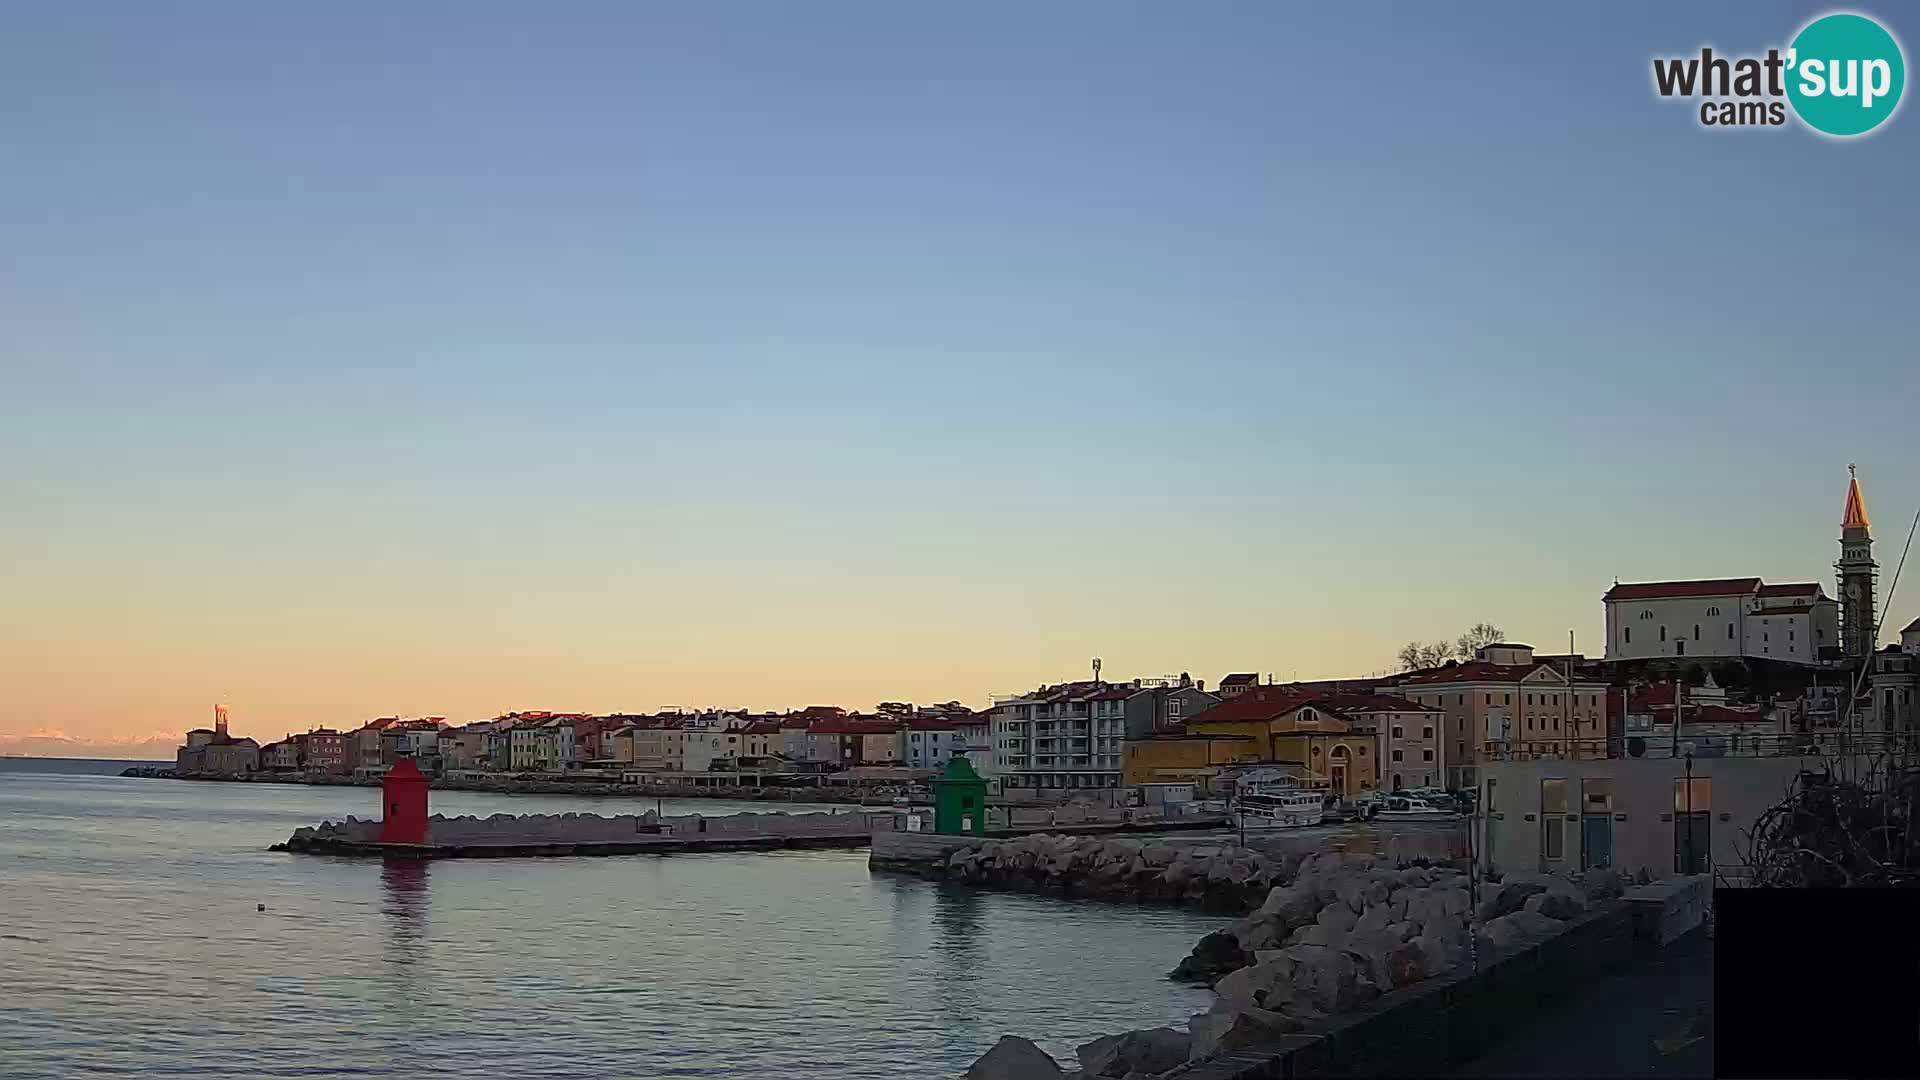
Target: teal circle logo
[[1845, 74]]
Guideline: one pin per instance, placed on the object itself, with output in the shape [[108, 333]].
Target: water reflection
[[403, 884], [959, 947]]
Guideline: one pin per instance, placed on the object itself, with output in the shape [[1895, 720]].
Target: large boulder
[[1559, 902], [1520, 927], [1603, 883], [1153, 1050], [1293, 904], [1014, 1058], [1218, 1030], [1338, 916], [1262, 985], [1443, 951], [1214, 955], [1327, 978], [1505, 898]]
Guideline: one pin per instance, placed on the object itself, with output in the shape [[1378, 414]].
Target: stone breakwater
[[574, 833], [1210, 875], [1332, 933]]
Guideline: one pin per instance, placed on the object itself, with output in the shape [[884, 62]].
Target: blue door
[[1596, 841]]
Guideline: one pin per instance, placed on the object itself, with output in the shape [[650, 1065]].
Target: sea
[[146, 930]]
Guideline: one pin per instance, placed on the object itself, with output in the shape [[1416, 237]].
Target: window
[[1363, 749], [1426, 755], [1426, 732], [1696, 631], [1663, 633], [1713, 611], [1396, 755], [1396, 731], [1729, 631], [1627, 633], [1647, 614], [1553, 796], [1491, 788], [1506, 699], [1702, 795]]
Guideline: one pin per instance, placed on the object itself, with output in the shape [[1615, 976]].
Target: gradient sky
[[452, 358]]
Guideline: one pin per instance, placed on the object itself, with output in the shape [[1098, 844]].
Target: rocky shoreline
[[1327, 933]]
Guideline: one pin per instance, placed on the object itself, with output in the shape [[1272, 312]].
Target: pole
[[1568, 711], [1688, 833]]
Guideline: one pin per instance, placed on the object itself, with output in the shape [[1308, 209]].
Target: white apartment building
[[1059, 737]]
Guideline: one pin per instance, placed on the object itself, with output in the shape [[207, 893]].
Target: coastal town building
[[1409, 742], [282, 756], [1725, 618], [1504, 697], [323, 750], [1857, 573], [1238, 683], [931, 742], [1896, 687], [232, 756], [1160, 706], [1061, 737]]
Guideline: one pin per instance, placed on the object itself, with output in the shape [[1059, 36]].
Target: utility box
[[960, 800]]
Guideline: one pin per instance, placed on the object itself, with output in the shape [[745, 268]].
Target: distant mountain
[[47, 742]]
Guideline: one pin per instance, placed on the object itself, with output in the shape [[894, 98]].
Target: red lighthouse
[[404, 791]]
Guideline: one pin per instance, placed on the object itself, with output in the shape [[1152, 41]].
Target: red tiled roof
[[763, 727], [854, 727], [1473, 671], [1259, 704], [1242, 678], [1665, 590], [1344, 701], [1115, 694], [1803, 588]]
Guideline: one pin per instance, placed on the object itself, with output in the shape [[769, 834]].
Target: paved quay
[[1654, 1018]]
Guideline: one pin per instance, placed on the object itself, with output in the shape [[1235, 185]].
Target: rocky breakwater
[[1212, 877], [468, 833], [1342, 931]]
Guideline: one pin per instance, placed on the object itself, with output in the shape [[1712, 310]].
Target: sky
[[448, 359]]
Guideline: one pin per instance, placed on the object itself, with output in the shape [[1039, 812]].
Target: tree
[[1477, 637], [1415, 655]]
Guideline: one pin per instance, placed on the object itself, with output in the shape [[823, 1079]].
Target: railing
[[1791, 744]]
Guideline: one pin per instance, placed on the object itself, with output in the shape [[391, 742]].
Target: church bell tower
[[1857, 573]]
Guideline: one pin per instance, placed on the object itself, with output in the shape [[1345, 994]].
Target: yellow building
[[1269, 725], [1183, 759]]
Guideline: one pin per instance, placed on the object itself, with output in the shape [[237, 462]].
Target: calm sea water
[[130, 944]]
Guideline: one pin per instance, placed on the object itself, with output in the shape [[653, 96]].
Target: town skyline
[[642, 357]]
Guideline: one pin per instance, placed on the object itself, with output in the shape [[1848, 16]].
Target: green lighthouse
[[960, 800]]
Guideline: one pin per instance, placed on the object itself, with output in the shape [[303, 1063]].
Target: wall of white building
[[1641, 808]]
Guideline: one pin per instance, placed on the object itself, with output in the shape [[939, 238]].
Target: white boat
[[1409, 807], [1277, 809]]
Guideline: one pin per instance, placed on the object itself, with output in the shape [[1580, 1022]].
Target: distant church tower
[[1857, 573]]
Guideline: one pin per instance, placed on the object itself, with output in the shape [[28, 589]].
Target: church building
[[1745, 618]]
